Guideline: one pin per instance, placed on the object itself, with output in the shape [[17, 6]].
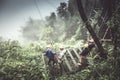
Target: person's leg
[[83, 59], [83, 55], [53, 61], [49, 61], [80, 59]]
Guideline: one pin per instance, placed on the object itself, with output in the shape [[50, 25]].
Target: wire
[[37, 7], [106, 32], [52, 5]]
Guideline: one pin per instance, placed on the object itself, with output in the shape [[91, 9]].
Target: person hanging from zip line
[[86, 49], [50, 55], [61, 54]]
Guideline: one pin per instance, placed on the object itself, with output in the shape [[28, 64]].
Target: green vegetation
[[20, 63], [25, 62]]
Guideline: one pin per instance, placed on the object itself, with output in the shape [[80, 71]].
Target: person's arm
[[86, 46], [45, 52], [91, 41], [53, 52]]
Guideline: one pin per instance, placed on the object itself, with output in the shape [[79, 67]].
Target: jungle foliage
[[25, 62]]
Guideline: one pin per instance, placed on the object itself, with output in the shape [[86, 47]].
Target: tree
[[51, 20], [115, 26], [72, 8], [90, 29], [62, 11]]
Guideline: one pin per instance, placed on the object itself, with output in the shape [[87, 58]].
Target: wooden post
[[90, 29], [44, 65], [43, 61], [78, 56], [72, 57], [67, 63]]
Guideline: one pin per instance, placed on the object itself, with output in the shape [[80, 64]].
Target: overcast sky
[[14, 14]]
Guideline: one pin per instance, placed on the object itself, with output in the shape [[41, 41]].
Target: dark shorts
[[51, 59], [84, 52]]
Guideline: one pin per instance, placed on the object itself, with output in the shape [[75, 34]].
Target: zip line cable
[[52, 5], [37, 7]]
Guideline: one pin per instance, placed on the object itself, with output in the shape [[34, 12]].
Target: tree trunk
[[90, 29]]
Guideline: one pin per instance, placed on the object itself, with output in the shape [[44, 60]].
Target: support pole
[[72, 57], [67, 63]]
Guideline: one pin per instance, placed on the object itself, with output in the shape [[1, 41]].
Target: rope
[[104, 19], [37, 7], [106, 32], [52, 5]]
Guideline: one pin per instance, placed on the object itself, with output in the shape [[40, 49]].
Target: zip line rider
[[50, 54], [86, 49], [61, 54]]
